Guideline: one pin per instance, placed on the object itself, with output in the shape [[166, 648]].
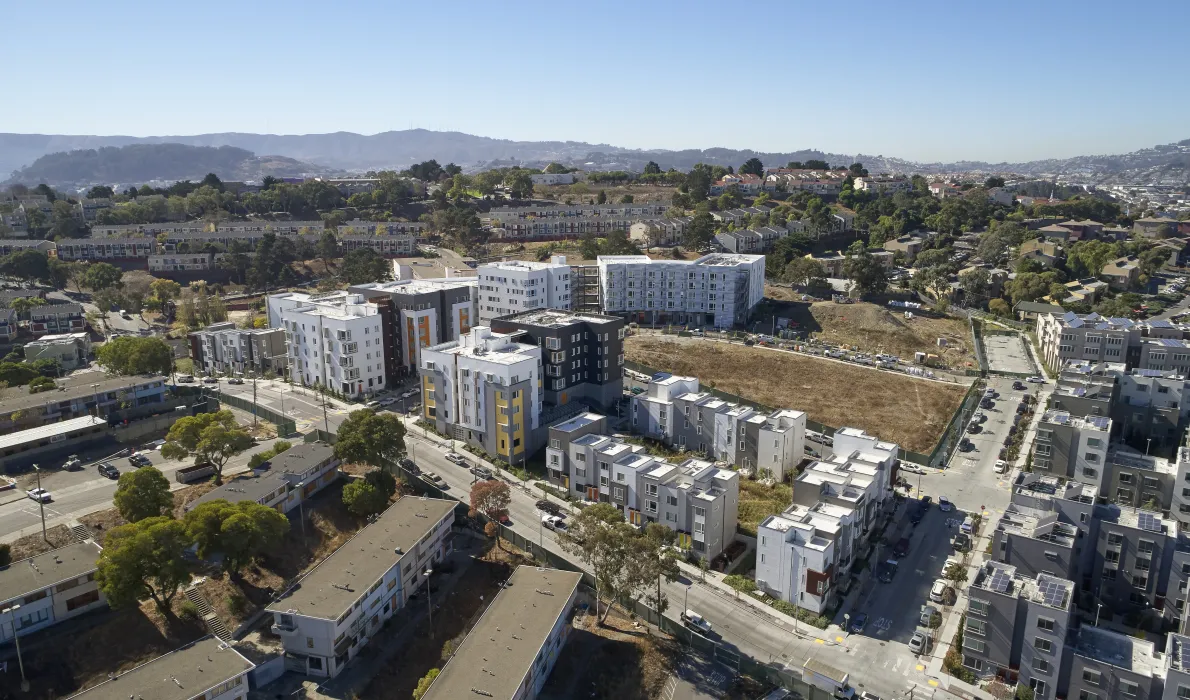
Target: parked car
[[919, 644], [139, 460], [868, 696], [185, 379], [966, 445], [410, 467], [456, 458], [1001, 466], [435, 480], [1018, 386], [979, 416], [72, 463], [901, 548], [973, 427], [696, 622], [236, 380], [386, 401], [968, 525], [1035, 380], [941, 591], [40, 495], [927, 614], [109, 470], [987, 403], [482, 473], [372, 404], [858, 622], [886, 570], [553, 522], [210, 380], [550, 507], [944, 504], [917, 515], [961, 542], [925, 502]]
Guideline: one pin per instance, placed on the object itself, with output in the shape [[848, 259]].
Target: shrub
[[5, 554], [740, 583], [237, 604], [187, 610]]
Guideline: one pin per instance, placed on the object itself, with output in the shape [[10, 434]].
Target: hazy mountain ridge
[[143, 162], [1169, 164]]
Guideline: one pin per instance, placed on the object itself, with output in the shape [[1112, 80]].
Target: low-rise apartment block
[[486, 389], [511, 651], [56, 319], [222, 348], [283, 482], [697, 498], [334, 610], [1122, 273], [750, 241], [514, 286], [675, 411], [1073, 448], [423, 313], [719, 290], [334, 340], [659, 232], [182, 262], [883, 184], [208, 668], [582, 354], [106, 249], [49, 588], [71, 350], [80, 395]]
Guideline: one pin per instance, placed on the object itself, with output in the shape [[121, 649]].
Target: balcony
[[285, 628]]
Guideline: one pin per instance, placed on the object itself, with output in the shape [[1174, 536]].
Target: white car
[[40, 495], [941, 591], [456, 458], [1035, 380], [553, 522], [1001, 466], [697, 622], [386, 402]]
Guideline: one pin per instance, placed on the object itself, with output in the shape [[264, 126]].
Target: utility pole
[[40, 505], [429, 601], [254, 400], [16, 640]]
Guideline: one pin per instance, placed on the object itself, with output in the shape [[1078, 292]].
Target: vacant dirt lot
[[616, 661], [907, 411], [873, 328]]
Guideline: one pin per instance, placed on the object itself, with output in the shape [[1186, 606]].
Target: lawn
[[758, 501], [910, 412]]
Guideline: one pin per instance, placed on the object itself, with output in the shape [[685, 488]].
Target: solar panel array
[[1053, 593], [1000, 582], [1148, 521], [1100, 422], [1183, 655]]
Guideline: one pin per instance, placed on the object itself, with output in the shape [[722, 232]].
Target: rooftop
[[70, 388], [481, 343], [554, 318], [517, 265], [1116, 649], [1177, 652], [49, 431], [421, 286], [1052, 591], [502, 647], [263, 482], [1036, 524], [179, 675], [578, 422], [997, 577], [36, 573], [343, 577]]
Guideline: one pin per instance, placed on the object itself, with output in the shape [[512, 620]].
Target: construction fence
[[285, 426]]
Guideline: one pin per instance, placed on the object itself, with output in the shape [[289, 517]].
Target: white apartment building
[[717, 290], [513, 286], [334, 340], [182, 262], [485, 389], [208, 668], [49, 588], [335, 609]]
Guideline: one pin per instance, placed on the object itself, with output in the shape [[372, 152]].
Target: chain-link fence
[[285, 426]]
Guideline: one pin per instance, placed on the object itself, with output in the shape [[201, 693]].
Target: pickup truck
[[827, 678], [696, 622], [198, 472]]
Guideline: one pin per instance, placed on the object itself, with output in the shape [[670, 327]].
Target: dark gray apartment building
[[1107, 665], [1035, 542], [582, 353], [1149, 408], [1133, 552]]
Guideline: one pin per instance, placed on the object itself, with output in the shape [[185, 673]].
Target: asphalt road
[[77, 493], [305, 405]]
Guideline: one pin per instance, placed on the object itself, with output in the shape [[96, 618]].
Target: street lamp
[[41, 502], [16, 640], [429, 601], [1098, 610]]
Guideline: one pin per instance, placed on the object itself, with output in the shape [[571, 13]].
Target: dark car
[[926, 501], [886, 570], [917, 515], [858, 622], [966, 445], [408, 465], [962, 542], [987, 403], [901, 548], [549, 507], [138, 460], [1018, 386], [108, 470]]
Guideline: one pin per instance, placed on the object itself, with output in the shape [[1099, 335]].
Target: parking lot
[[1007, 353]]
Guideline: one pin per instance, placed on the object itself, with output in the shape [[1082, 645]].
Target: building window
[[1129, 689], [1092, 677], [1045, 624], [1041, 665], [1087, 695], [973, 663], [977, 627], [978, 607], [1041, 644]]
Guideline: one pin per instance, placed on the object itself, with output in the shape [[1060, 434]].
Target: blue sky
[[920, 80]]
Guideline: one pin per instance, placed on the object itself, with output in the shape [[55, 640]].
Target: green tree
[[363, 499], [129, 355], [423, 685], [143, 493], [17, 373], [1000, 308], [328, 248], [208, 437], [241, 532], [364, 265], [100, 192], [627, 199], [752, 166], [993, 181], [519, 184], [40, 384], [100, 276], [651, 168], [144, 560], [699, 231], [662, 558], [63, 223], [804, 272], [367, 437], [975, 282], [382, 481], [867, 272], [601, 198], [615, 551], [26, 265]]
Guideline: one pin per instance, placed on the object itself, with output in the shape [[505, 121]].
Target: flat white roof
[[49, 430]]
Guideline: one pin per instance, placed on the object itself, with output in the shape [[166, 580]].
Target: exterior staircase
[[209, 618]]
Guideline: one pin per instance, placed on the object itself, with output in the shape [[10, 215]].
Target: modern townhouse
[[283, 482], [1019, 623], [750, 241], [1034, 541], [1130, 569], [334, 340], [512, 649], [719, 290], [106, 249], [673, 410], [1107, 664], [1140, 480], [514, 286], [49, 588], [423, 313], [208, 668], [89, 393], [338, 606], [1177, 668], [1090, 337], [1164, 354], [1073, 448], [797, 552], [486, 389], [222, 348], [696, 498], [582, 354], [71, 350], [1149, 408]]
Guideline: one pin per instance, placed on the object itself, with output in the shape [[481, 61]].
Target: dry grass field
[[910, 412]]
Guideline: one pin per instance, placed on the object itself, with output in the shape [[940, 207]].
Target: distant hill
[[142, 162], [398, 149]]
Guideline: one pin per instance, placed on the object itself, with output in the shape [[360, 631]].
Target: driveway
[[1007, 353]]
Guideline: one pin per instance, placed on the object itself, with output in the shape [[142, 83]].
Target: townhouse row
[[1155, 344]]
